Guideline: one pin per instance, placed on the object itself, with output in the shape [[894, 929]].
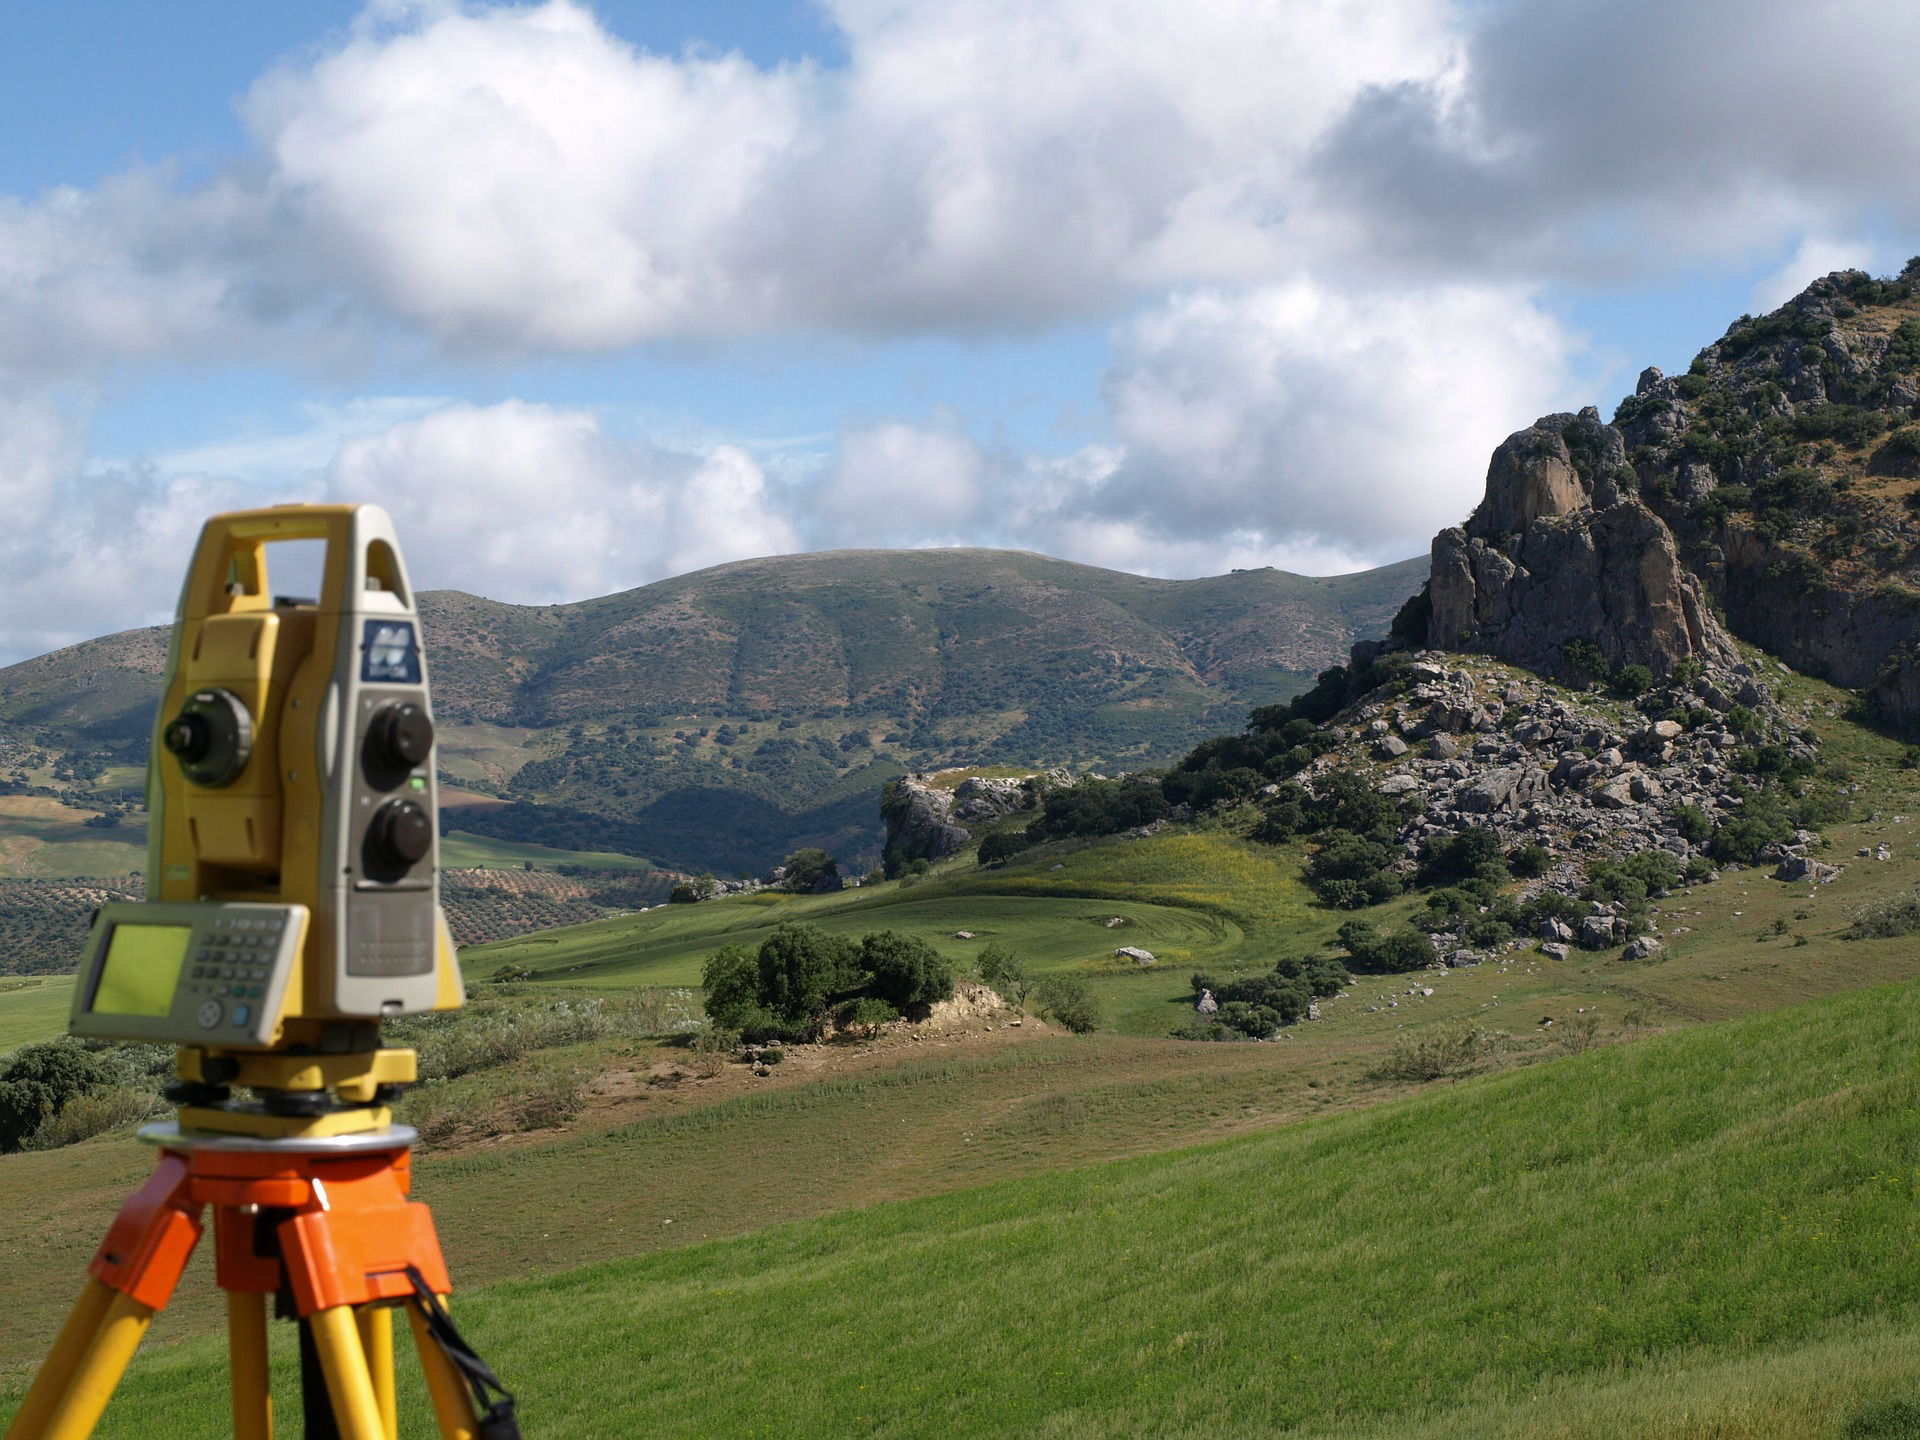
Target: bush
[[1351, 871], [904, 970], [1694, 825], [1885, 919], [38, 1081], [113, 1107], [1529, 862], [1370, 950], [1092, 806], [1450, 1050], [1630, 682], [1003, 845], [1002, 971], [1472, 854], [1067, 1002]]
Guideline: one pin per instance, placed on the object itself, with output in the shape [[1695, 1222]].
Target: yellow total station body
[[293, 888]]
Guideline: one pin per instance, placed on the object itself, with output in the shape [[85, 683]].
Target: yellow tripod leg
[[376, 1338], [247, 1357], [337, 1339], [50, 1386], [452, 1405], [99, 1370]]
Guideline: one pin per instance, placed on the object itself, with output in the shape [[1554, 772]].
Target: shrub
[[1351, 871], [1370, 950], [1630, 682], [904, 970], [1471, 854], [113, 1107], [1529, 862], [1002, 971], [38, 1081], [1885, 919], [1003, 845], [1694, 825], [1067, 1002], [1450, 1050], [809, 871]]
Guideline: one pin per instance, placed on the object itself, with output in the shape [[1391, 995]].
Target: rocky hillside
[[719, 720], [1773, 485]]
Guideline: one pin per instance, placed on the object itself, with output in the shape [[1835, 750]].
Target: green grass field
[[1704, 1228], [1723, 1218], [459, 848], [33, 1008]]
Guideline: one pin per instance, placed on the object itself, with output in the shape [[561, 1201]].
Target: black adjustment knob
[[211, 737], [398, 837], [399, 737]]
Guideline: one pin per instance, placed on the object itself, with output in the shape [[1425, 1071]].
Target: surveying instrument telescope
[[294, 902]]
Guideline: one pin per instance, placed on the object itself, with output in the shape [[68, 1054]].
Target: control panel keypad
[[232, 969]]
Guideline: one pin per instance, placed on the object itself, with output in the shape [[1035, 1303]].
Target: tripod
[[321, 1223]]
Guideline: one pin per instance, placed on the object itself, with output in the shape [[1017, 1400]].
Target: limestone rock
[[1799, 867], [1553, 555]]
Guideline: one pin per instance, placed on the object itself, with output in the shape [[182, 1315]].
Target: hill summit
[[1769, 494]]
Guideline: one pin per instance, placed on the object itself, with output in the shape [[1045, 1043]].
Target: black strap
[[494, 1418]]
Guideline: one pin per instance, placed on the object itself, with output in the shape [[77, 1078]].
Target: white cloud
[[901, 484], [1298, 418], [537, 504], [522, 178], [1816, 255]]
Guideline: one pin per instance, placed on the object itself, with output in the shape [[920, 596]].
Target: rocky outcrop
[[920, 822], [930, 821], [1556, 553], [1783, 462]]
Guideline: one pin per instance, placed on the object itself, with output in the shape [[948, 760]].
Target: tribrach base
[[322, 1221]]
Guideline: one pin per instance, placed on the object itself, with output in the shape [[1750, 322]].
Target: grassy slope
[[1669, 1218], [33, 1008]]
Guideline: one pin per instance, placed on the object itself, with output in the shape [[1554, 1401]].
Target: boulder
[[1135, 954], [1556, 952], [1644, 948], [1206, 1004], [1799, 867]]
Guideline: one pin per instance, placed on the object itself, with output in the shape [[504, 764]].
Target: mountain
[[717, 720]]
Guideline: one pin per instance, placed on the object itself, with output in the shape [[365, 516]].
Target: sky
[[588, 295]]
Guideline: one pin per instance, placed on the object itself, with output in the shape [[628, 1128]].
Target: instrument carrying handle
[[494, 1418]]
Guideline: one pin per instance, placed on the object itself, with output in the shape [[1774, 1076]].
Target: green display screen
[[142, 967]]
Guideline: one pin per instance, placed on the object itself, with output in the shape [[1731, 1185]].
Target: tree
[[38, 1080], [1002, 845], [1003, 972], [731, 977], [904, 970], [1067, 1002], [810, 872], [802, 968]]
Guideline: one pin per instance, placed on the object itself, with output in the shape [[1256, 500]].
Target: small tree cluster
[[1258, 1006], [801, 977], [38, 1081]]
